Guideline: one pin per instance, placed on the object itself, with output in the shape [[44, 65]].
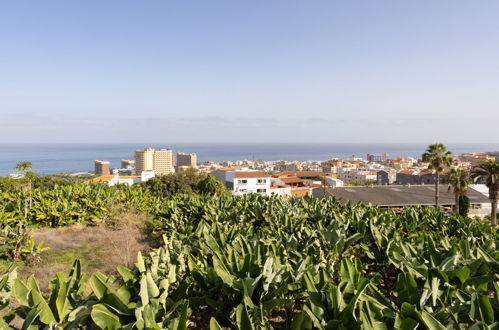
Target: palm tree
[[457, 179], [24, 167], [489, 172], [439, 158]]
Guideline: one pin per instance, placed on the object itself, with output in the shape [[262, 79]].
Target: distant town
[[373, 179]]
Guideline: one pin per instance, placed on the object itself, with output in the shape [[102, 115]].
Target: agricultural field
[[225, 262]]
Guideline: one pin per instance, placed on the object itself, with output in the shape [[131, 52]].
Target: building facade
[[248, 182], [285, 167], [386, 177], [333, 182], [358, 176], [160, 161], [414, 177], [377, 157], [188, 160], [127, 163], [101, 167]]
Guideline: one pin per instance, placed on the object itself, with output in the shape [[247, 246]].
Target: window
[[243, 190], [261, 181], [261, 190], [243, 181]]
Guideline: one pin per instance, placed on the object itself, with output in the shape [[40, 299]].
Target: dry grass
[[100, 248]]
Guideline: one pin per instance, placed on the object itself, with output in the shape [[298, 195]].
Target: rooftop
[[398, 195], [104, 178], [250, 174], [302, 174], [291, 180]]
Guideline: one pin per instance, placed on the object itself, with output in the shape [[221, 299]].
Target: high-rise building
[[101, 167], [188, 160], [163, 161], [144, 160], [160, 161], [126, 163]]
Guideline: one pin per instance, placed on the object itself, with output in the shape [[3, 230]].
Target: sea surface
[[63, 158]]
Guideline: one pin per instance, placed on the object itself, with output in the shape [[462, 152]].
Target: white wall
[[251, 185], [334, 182], [281, 191]]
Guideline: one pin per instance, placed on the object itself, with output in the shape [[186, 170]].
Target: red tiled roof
[[251, 174], [104, 178], [410, 172], [309, 174], [291, 180]]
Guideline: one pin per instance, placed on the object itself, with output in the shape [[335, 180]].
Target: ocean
[[62, 158]]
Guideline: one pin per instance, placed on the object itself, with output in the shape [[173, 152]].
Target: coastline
[[78, 157]]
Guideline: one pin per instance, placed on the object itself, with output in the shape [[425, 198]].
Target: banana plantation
[[253, 262], [68, 204]]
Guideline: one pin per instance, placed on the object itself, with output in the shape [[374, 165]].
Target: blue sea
[[59, 158]]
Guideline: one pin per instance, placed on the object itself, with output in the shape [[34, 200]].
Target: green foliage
[[464, 205], [209, 185], [254, 262], [361, 183], [438, 157], [52, 201], [68, 204], [138, 299], [186, 182], [16, 243], [488, 172], [64, 307], [327, 265]]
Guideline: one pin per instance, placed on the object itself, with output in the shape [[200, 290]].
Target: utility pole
[[323, 183]]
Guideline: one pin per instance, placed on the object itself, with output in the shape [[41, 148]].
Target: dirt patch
[[99, 248]]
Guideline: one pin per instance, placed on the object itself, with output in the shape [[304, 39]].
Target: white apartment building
[[248, 182], [355, 175]]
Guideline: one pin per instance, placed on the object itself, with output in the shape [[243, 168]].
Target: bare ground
[[99, 248]]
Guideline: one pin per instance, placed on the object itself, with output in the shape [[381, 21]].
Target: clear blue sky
[[255, 71]]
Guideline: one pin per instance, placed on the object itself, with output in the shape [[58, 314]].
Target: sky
[[249, 71]]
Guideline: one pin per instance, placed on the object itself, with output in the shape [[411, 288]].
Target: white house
[[114, 179], [146, 175], [484, 208], [248, 182], [333, 182]]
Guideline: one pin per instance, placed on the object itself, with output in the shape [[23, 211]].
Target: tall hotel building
[[101, 167], [189, 160], [161, 161]]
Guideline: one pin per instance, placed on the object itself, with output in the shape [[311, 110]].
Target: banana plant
[[6, 285], [66, 306]]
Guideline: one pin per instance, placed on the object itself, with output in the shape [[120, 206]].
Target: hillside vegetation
[[258, 263]]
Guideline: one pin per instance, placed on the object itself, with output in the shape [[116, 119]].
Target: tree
[[489, 172], [167, 185], [458, 180], [185, 182], [438, 158], [464, 205], [26, 168], [209, 185]]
